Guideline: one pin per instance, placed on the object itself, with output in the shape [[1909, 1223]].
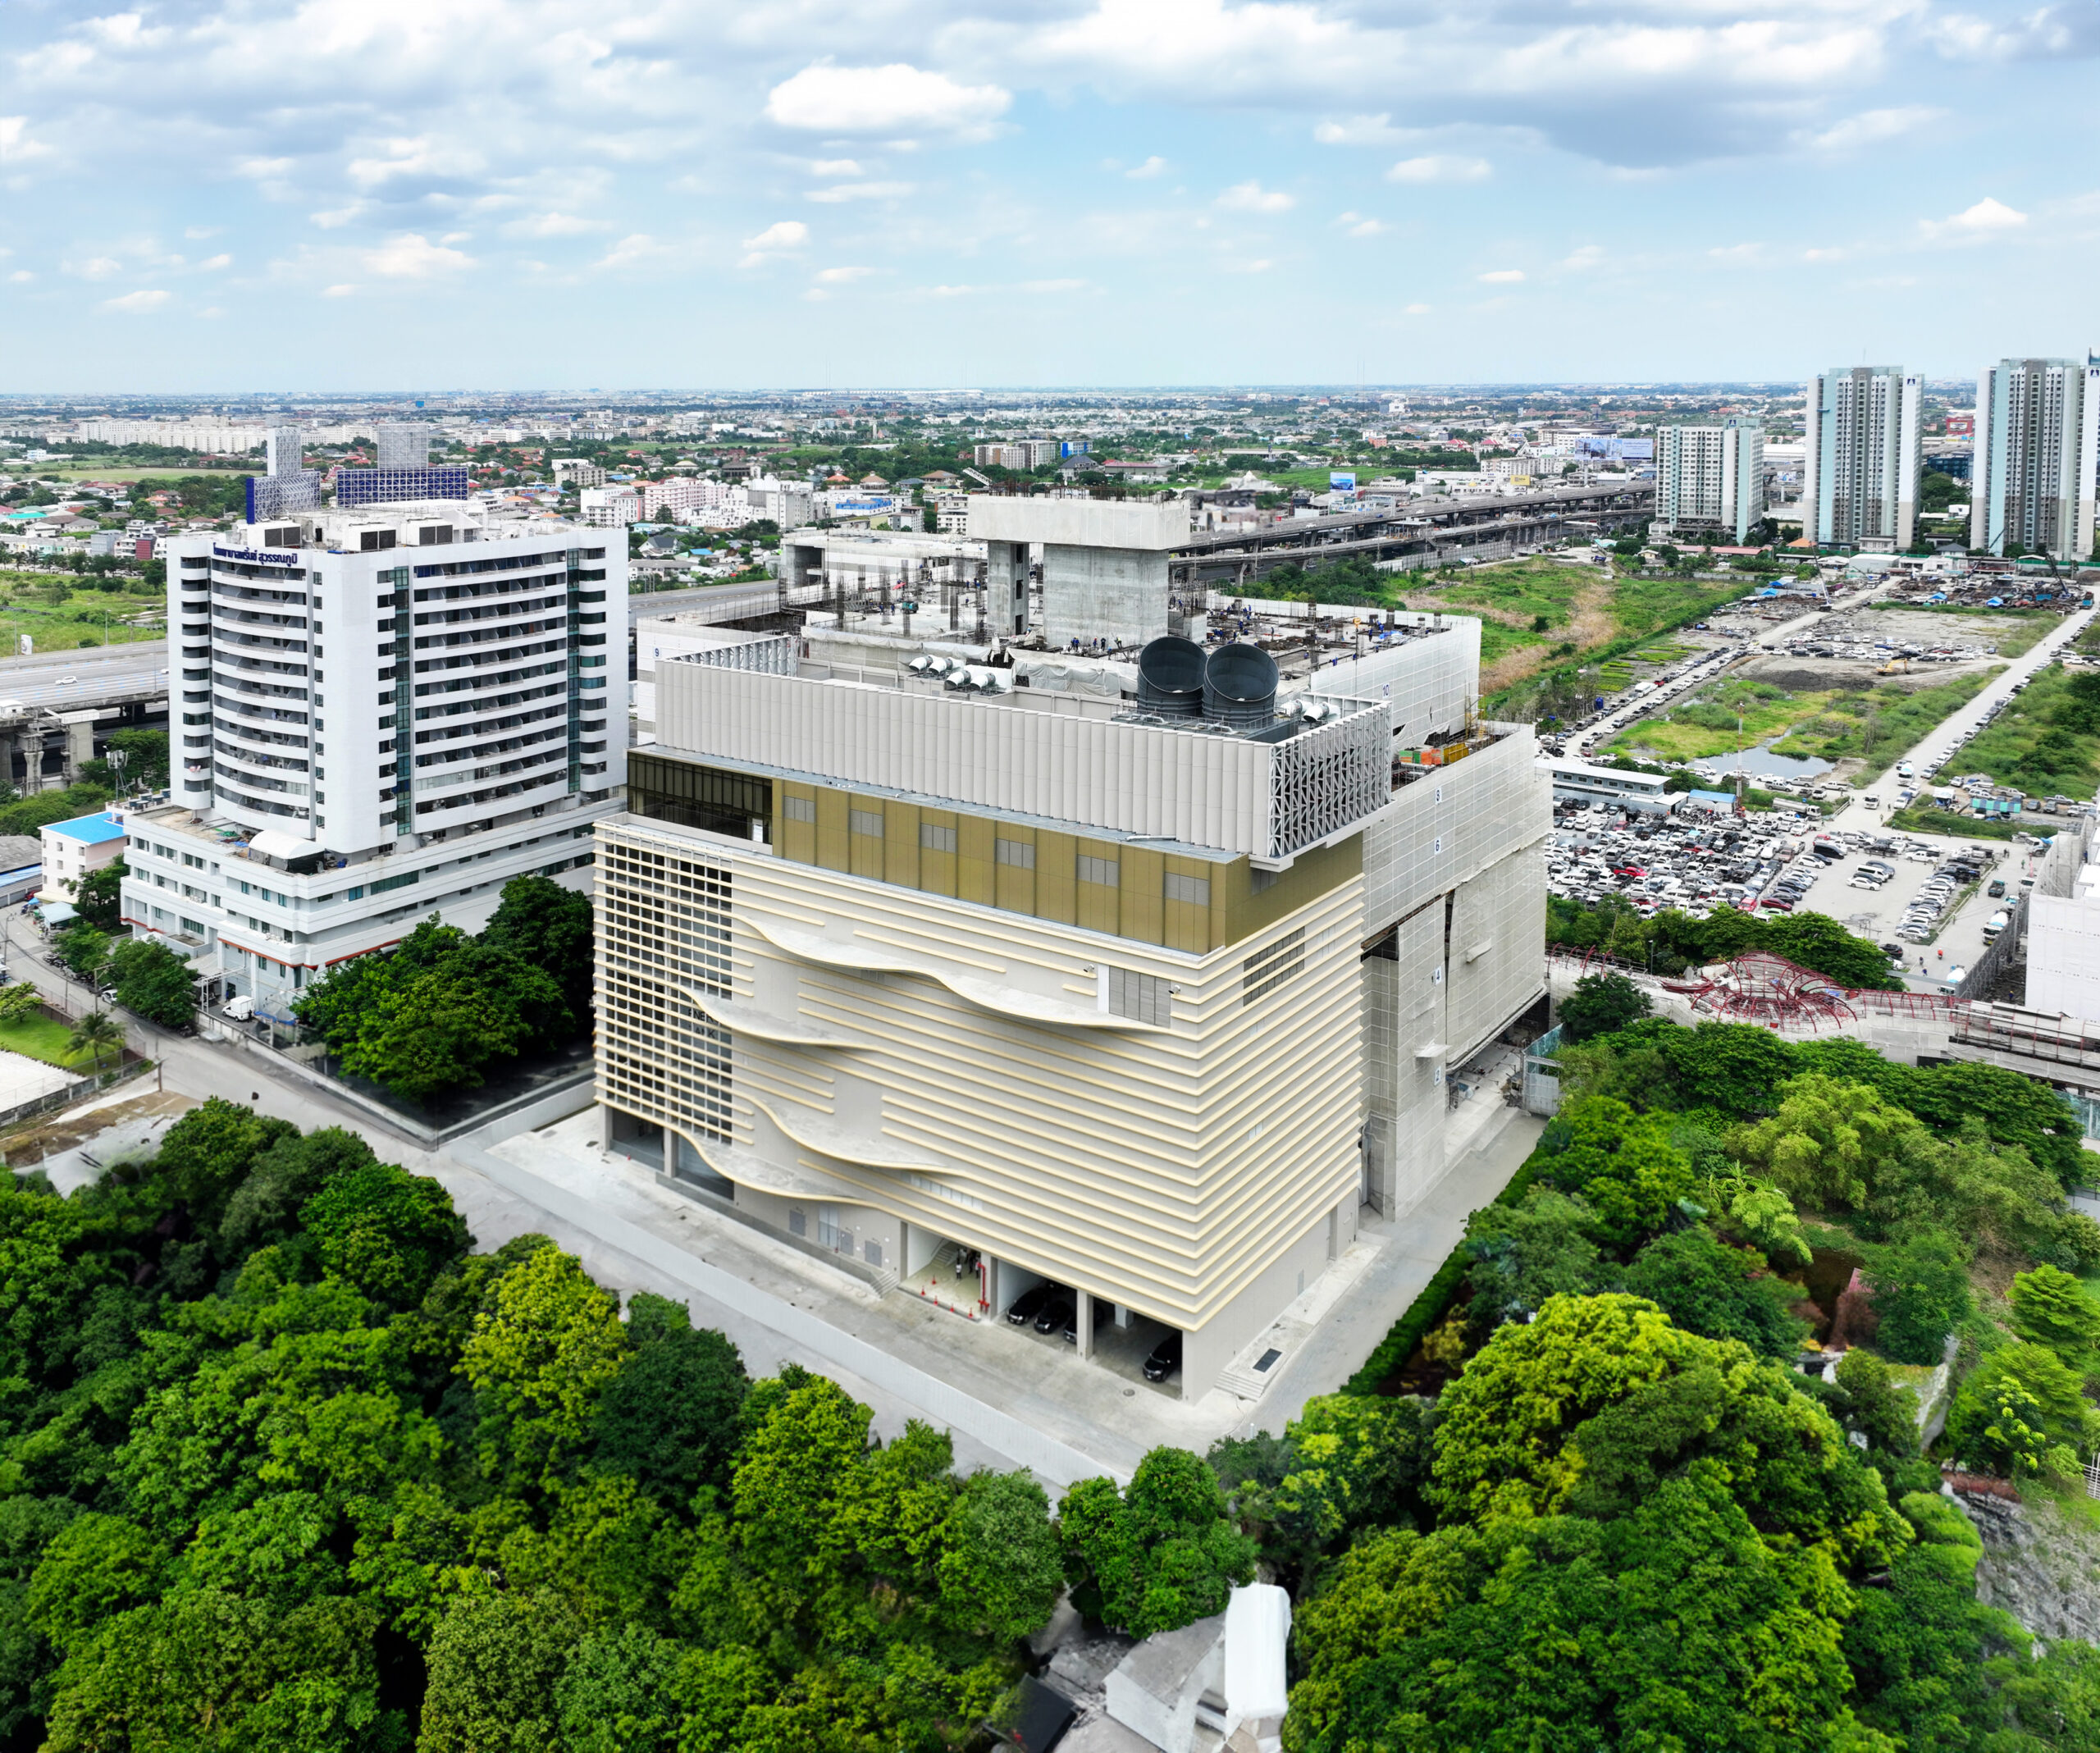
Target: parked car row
[[1054, 1309]]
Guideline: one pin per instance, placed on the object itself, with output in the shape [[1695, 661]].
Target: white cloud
[[632, 251], [860, 192], [1987, 218], [422, 158], [1356, 225], [1740, 254], [137, 303], [263, 170], [1417, 310], [1363, 130], [336, 216], [835, 167], [22, 276], [841, 276], [341, 291], [16, 145], [1870, 127], [1252, 198], [215, 262], [96, 267], [1589, 256], [411, 256], [786, 233], [193, 232], [1503, 276], [898, 99], [1152, 167], [553, 225], [1440, 167]]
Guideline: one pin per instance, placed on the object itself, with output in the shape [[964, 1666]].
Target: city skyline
[[1099, 193]]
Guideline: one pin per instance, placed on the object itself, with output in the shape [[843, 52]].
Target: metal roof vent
[[1239, 687], [1171, 677]]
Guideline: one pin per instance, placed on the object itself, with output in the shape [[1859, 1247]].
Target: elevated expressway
[[1424, 533]]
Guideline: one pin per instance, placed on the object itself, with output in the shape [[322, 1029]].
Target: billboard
[[1342, 480], [379, 487]]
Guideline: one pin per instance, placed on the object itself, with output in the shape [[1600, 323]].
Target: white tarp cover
[[273, 842], [1257, 1628]]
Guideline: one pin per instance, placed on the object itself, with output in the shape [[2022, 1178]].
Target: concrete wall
[[1206, 1350], [1428, 681], [2063, 955], [1153, 524], [1118, 595]]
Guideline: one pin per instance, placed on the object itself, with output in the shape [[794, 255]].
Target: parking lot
[[1931, 901]]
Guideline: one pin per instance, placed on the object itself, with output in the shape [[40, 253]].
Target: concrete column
[[1124, 1318], [1085, 1305], [80, 746], [671, 1142], [604, 1127]]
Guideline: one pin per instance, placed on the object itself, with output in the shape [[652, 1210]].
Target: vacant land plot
[[2046, 741], [1873, 722], [2012, 631], [59, 617], [1541, 610]]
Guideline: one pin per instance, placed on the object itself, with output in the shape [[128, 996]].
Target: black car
[[1028, 1304], [1057, 1314], [1166, 1359], [1893, 952]]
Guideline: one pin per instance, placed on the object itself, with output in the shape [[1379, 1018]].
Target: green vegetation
[[288, 1464], [61, 614], [1673, 941], [443, 1007], [1872, 722], [1878, 724], [1595, 1535], [1601, 1004], [153, 981], [41, 1037], [1923, 819], [2046, 742], [28, 814]]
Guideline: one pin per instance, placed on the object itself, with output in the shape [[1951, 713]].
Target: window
[[799, 809], [1269, 967], [868, 822], [1101, 870], [872, 1250], [1258, 880], [1142, 998], [1196, 891], [1020, 854], [936, 839]]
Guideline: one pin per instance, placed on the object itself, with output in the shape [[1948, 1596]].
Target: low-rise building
[[78, 848]]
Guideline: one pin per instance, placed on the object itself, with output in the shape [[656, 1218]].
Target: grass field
[[1922, 819], [1875, 724], [2044, 742], [83, 618], [89, 472], [44, 1038]]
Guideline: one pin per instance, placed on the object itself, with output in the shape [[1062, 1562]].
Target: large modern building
[[1861, 441], [2038, 444], [1710, 478], [378, 714], [1136, 975]]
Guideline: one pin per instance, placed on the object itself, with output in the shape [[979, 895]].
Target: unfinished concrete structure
[[1104, 562]]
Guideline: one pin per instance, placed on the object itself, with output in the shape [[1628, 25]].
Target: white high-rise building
[[1863, 438], [403, 444], [2038, 443], [378, 713], [284, 450], [1710, 477]]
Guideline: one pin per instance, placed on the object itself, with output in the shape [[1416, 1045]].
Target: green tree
[[672, 1414], [1157, 1556], [2021, 1410], [1920, 1293], [153, 981], [97, 1033], [2052, 1309], [84, 951], [1601, 1004], [496, 1663], [614, 1695], [20, 1000], [537, 1361], [1522, 1254], [1707, 1287], [1623, 1164], [385, 1230], [97, 899], [550, 928], [1000, 1568]]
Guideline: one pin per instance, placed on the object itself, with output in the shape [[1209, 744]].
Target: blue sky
[[516, 193]]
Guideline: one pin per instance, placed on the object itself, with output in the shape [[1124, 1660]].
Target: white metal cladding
[[776, 655], [1452, 823], [1426, 682], [1327, 777], [1203, 790]]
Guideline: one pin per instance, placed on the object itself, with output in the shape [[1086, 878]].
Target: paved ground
[[1875, 914], [23, 1079]]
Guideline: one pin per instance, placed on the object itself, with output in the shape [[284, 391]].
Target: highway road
[[64, 681]]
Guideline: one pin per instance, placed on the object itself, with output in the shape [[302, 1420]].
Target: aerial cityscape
[[1269, 942]]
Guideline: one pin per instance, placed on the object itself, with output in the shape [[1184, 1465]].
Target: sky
[[229, 196]]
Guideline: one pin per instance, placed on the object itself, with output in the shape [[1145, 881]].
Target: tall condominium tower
[[2038, 444], [1710, 477], [1864, 435], [1127, 980], [378, 713]]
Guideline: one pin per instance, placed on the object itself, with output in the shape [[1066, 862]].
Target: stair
[[1245, 1375]]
